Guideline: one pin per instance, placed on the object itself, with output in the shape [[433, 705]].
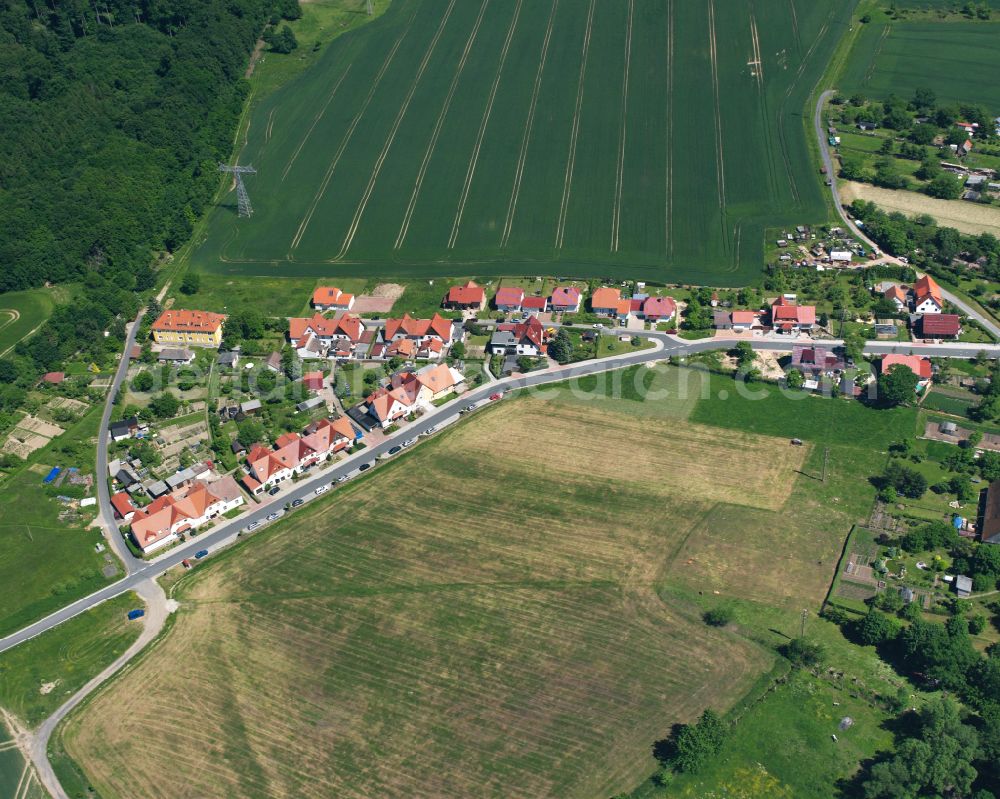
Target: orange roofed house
[[194, 328], [469, 297], [921, 367], [330, 298], [927, 296], [407, 391], [789, 318], [414, 338], [294, 453], [186, 509], [326, 338]]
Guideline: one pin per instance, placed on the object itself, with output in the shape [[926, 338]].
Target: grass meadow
[[511, 608], [958, 60], [652, 138], [20, 313], [39, 675]]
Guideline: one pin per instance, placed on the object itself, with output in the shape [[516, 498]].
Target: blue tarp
[[52, 475]]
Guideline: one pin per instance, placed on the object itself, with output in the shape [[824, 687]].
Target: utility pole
[[802, 627], [242, 198]]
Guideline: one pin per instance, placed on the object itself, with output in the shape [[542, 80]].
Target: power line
[[242, 198]]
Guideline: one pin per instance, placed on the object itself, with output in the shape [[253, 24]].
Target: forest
[[114, 115]]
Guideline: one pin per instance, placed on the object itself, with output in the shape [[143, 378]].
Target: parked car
[[496, 396], [201, 553], [322, 490], [409, 442], [298, 503], [364, 467], [276, 515], [470, 408], [138, 613], [431, 429], [186, 563], [396, 449], [274, 490], [252, 526], [342, 478]]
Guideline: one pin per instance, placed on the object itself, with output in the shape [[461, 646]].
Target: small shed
[[963, 586], [309, 404], [250, 406]]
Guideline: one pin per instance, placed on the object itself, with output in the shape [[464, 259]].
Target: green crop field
[[958, 60], [17, 778], [653, 138], [20, 313]]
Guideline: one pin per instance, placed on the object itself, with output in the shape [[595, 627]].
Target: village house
[[176, 356], [898, 297], [194, 328], [737, 321], [330, 298], [940, 325], [418, 331], [123, 507], [319, 337], [565, 299], [655, 309], [294, 453], [126, 428], [606, 301], [183, 510], [312, 381], [535, 305], [816, 361], [526, 338], [468, 297], [790, 318], [509, 299], [921, 367], [407, 391], [927, 296]]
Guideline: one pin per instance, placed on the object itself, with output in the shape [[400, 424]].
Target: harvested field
[[648, 138], [494, 630], [964, 216]]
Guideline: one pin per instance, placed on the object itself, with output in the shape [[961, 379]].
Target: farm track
[[526, 140], [762, 94], [436, 133], [353, 229], [315, 122], [620, 175], [575, 133], [471, 170], [349, 134], [720, 169]]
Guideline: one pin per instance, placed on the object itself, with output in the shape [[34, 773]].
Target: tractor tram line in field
[[620, 176], [668, 231], [350, 133], [315, 122], [526, 139], [438, 126], [391, 137], [474, 159], [575, 133], [758, 72], [720, 167]]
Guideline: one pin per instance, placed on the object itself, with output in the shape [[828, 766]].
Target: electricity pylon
[[242, 198]]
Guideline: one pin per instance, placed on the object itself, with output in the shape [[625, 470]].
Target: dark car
[[201, 553], [298, 502], [364, 466], [274, 490], [395, 449]]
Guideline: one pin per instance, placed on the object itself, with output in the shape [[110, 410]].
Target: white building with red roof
[[790, 318], [927, 297], [525, 338], [657, 309], [123, 506], [921, 367], [183, 510], [898, 296], [409, 391], [330, 298], [417, 330], [467, 297], [509, 298], [294, 453], [565, 299], [320, 337]]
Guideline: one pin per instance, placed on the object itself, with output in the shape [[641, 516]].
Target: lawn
[[20, 313], [957, 60], [522, 653], [939, 401], [39, 675], [598, 139], [45, 561], [272, 296]]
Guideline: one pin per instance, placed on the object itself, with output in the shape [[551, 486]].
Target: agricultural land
[[506, 624], [21, 313], [644, 138]]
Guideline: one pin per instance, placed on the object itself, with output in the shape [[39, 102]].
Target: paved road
[[227, 532], [824, 149], [107, 515]]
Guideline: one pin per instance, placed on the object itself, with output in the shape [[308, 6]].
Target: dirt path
[[157, 610], [254, 58]]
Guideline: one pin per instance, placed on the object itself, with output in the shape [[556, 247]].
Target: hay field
[[644, 137], [478, 618], [971, 218]]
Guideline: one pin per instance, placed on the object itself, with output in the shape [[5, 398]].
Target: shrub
[[718, 617]]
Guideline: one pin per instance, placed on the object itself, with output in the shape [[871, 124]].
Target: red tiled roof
[[785, 311], [437, 325], [919, 366], [743, 317], [189, 321], [469, 294], [509, 296], [534, 303], [663, 307], [604, 299], [313, 380], [896, 293], [927, 286], [347, 326], [940, 324], [54, 377], [332, 296], [564, 296], [122, 503]]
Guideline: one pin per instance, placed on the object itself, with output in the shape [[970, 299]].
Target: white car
[[322, 489], [409, 442], [429, 430]]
